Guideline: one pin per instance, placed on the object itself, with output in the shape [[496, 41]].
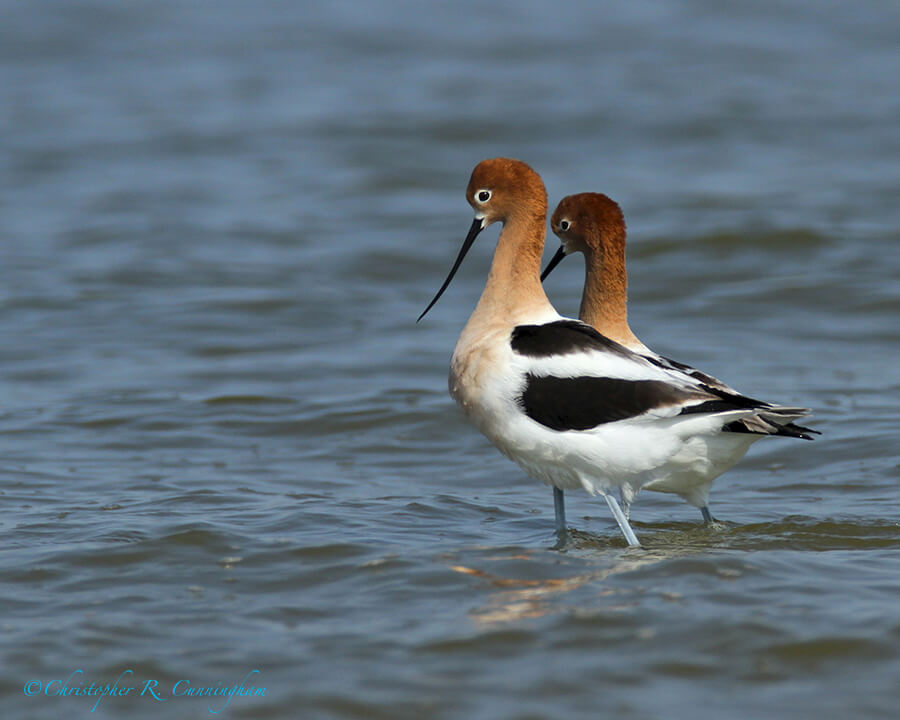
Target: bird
[[572, 407], [594, 225]]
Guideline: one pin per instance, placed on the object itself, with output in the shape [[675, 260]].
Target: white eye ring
[[563, 225], [482, 196]]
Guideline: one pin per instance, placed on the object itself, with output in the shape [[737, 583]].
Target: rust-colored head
[[501, 188], [588, 221]]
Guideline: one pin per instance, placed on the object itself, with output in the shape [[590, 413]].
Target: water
[[227, 446]]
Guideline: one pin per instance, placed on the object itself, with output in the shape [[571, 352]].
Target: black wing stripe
[[561, 338], [719, 406], [583, 403], [687, 370]]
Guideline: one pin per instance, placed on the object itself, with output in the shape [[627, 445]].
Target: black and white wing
[[575, 378]]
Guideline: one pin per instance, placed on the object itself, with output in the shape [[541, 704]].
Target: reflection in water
[[519, 597]]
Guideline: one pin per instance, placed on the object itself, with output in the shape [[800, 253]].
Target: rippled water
[[227, 446]]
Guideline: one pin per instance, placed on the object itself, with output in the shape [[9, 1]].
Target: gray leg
[[626, 504], [707, 518], [559, 505], [622, 520]]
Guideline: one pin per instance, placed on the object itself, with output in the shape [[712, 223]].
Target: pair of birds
[[584, 403]]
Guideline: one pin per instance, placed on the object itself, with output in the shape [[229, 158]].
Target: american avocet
[[573, 408], [593, 224]]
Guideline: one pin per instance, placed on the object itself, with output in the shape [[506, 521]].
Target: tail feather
[[767, 419], [765, 423], [798, 431], [783, 411]]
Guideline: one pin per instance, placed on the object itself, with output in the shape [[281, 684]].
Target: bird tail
[[779, 420]]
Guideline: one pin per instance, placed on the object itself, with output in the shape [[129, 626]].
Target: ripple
[[228, 445]]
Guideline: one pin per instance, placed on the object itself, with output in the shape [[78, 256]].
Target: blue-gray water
[[226, 446]]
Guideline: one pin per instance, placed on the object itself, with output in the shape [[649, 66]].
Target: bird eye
[[564, 225], [483, 195]]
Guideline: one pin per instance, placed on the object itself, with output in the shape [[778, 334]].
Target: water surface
[[227, 446]]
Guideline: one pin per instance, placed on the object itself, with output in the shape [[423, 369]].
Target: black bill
[[477, 227], [554, 261]]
